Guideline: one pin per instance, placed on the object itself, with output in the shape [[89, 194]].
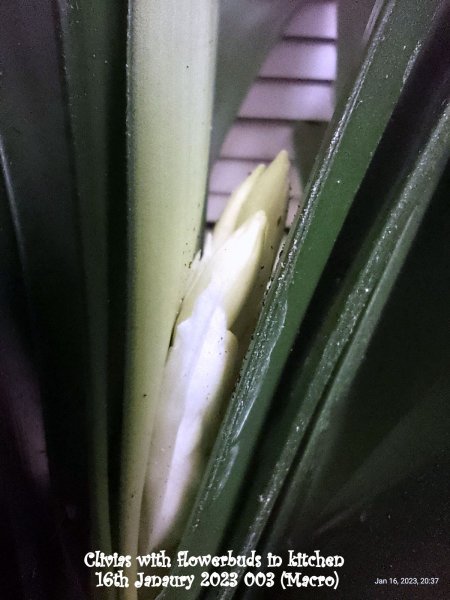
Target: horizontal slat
[[227, 174], [316, 20], [257, 140], [287, 100], [301, 60]]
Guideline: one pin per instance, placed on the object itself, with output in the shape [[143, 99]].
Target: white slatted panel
[[295, 84], [257, 139], [293, 101], [315, 20], [301, 59]]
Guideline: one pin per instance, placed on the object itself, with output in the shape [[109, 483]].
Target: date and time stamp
[[387, 581]]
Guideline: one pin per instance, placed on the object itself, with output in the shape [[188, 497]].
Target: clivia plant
[[156, 393]]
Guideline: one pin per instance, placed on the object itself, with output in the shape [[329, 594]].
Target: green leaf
[[171, 59], [94, 53], [37, 168], [35, 554], [385, 414]]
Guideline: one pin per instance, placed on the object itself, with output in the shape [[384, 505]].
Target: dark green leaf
[[37, 169], [94, 45], [34, 560], [383, 426]]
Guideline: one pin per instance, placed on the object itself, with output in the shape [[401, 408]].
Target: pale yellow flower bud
[[219, 309]]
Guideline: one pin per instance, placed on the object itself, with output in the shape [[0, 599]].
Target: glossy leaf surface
[[379, 445], [40, 188], [94, 54]]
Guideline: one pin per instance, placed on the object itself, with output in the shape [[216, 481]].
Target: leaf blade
[[171, 58]]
